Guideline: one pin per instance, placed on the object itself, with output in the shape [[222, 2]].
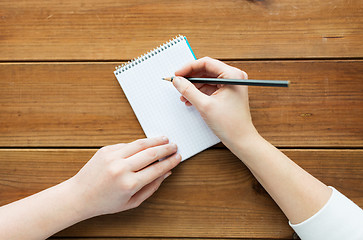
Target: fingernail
[[164, 139], [167, 175], [173, 145], [178, 157], [176, 81]]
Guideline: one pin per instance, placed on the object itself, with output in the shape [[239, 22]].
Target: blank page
[[156, 102]]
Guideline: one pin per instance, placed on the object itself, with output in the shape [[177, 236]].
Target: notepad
[[156, 103]]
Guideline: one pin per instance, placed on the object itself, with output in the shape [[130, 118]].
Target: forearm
[[298, 194], [43, 214]]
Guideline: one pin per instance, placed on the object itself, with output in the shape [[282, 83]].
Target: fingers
[[189, 91], [197, 85], [146, 191], [209, 67], [201, 66], [183, 99], [142, 159], [158, 169], [208, 89], [141, 144], [204, 88]]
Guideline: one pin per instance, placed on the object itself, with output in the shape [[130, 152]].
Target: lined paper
[[156, 102]]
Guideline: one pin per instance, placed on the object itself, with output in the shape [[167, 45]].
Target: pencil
[[247, 82]]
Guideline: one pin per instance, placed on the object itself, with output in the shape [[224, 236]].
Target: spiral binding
[[142, 58]]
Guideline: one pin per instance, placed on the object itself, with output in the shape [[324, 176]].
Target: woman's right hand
[[224, 108]]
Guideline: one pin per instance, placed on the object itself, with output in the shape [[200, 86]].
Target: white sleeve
[[340, 218]]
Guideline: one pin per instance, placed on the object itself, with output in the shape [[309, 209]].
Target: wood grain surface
[[59, 102], [164, 238], [114, 30], [82, 104], [210, 195]]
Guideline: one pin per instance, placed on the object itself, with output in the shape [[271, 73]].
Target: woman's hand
[[122, 176], [117, 178], [224, 108]]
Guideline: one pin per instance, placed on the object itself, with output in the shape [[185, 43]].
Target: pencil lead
[[167, 79]]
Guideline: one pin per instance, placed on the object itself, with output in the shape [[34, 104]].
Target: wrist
[[245, 143], [239, 137], [77, 200]]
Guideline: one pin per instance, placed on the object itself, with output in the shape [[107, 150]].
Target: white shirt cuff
[[340, 218]]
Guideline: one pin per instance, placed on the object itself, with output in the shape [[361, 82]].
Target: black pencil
[[248, 82]]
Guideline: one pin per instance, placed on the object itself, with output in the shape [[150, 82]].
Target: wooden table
[[60, 102]]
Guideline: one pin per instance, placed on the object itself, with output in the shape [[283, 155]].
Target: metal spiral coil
[[132, 63]]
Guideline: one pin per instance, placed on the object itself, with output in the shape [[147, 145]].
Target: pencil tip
[[167, 79]]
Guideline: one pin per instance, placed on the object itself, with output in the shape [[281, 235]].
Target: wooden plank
[[82, 104], [113, 30], [126, 238], [211, 195]]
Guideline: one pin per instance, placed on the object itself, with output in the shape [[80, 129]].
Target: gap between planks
[[117, 61]]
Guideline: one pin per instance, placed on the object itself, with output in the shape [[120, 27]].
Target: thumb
[[189, 91]]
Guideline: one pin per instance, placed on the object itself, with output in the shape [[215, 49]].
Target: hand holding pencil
[[224, 108]]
